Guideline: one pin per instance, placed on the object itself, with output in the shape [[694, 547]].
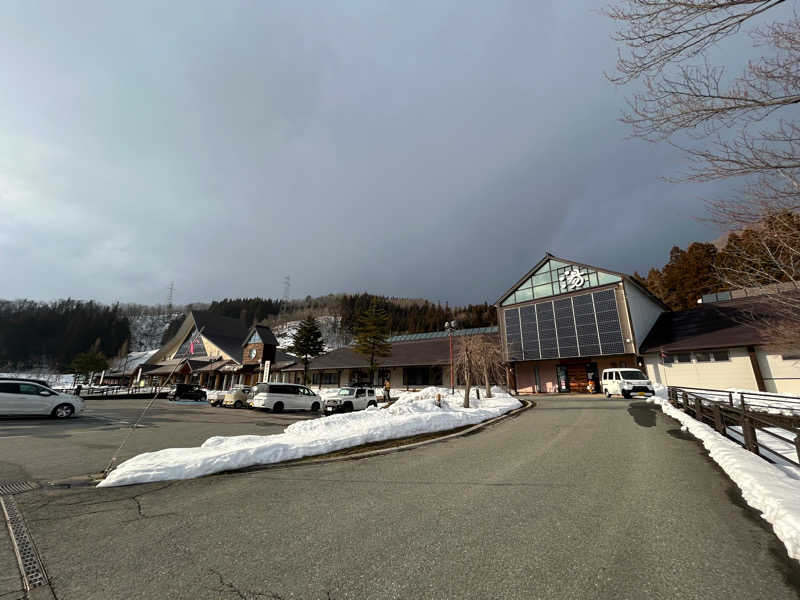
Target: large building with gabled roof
[[214, 351], [563, 322]]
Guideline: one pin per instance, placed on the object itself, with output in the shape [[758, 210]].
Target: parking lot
[[49, 449]]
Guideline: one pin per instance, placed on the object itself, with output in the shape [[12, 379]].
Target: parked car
[[627, 382], [286, 396], [237, 397], [30, 397], [215, 398], [186, 391], [351, 398]]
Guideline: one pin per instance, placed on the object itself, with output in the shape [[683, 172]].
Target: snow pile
[[765, 487], [412, 414]]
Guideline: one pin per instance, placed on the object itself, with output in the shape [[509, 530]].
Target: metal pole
[[452, 374]]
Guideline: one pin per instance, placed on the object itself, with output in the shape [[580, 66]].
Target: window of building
[[555, 277], [315, 377], [790, 356], [416, 376], [684, 357], [330, 378], [702, 356], [667, 359], [720, 355]]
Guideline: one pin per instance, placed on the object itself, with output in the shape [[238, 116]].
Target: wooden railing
[[754, 413]]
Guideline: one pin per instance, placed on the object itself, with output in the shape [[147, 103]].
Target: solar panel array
[[582, 325], [431, 335]]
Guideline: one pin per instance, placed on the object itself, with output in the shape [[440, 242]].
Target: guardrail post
[[719, 424], [749, 431], [797, 446], [698, 408]]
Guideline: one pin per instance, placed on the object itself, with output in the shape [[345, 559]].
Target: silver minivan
[[285, 396]]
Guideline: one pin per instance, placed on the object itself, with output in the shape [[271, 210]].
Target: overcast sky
[[418, 149]]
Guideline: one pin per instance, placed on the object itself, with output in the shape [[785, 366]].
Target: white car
[[27, 397], [626, 382], [285, 396], [351, 398]]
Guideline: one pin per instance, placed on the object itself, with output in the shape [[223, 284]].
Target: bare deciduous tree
[[490, 359], [468, 362], [730, 125]]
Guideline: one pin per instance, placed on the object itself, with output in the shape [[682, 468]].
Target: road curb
[[302, 462]]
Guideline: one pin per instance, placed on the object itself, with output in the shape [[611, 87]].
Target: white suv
[[285, 396], [627, 382], [349, 399], [28, 397]]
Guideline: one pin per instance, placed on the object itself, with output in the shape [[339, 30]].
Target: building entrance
[[562, 378]]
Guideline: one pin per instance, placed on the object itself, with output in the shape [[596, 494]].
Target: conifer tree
[[307, 343], [371, 333]]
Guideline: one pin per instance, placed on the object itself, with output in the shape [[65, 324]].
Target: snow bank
[[765, 487], [412, 414]]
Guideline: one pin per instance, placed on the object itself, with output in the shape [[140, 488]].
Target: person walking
[[387, 386]]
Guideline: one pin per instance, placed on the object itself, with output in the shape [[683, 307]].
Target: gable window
[[556, 277]]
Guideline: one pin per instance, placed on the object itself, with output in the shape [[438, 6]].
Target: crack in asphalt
[[241, 593]]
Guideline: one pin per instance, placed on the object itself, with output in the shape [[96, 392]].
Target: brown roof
[[214, 366], [169, 367], [404, 354], [723, 325]]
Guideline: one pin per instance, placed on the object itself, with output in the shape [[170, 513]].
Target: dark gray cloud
[[414, 149]]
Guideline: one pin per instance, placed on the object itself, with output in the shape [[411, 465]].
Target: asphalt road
[[577, 498], [43, 448]]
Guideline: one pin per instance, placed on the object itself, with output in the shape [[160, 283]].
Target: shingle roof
[[225, 332], [705, 327], [283, 360]]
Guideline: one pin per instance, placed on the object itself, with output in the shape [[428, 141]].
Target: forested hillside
[[704, 268], [406, 315], [39, 335]]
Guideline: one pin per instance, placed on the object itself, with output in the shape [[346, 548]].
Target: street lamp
[[449, 327]]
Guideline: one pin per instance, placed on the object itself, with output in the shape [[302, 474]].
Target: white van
[[626, 382], [285, 396]]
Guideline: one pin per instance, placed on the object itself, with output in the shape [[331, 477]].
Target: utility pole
[[287, 286]]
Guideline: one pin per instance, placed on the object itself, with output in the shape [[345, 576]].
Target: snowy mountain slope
[[330, 325], [147, 330]]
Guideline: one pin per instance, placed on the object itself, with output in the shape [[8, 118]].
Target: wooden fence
[[758, 415]]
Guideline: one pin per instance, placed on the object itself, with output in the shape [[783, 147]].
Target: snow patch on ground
[[765, 487], [414, 413]]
